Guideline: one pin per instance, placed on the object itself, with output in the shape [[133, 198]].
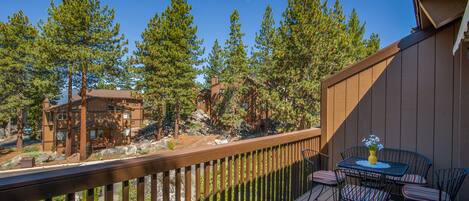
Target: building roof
[[437, 13], [462, 33], [104, 93]]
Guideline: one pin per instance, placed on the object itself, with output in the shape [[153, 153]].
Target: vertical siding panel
[[339, 116], [378, 105], [409, 99], [330, 118], [464, 107], [425, 97], [364, 106], [351, 112], [393, 101], [456, 107], [443, 98]]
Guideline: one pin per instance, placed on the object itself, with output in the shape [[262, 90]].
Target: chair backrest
[[359, 151], [362, 185], [314, 159], [450, 181], [418, 163]]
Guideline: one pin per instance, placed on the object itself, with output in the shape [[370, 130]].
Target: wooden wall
[[408, 94]]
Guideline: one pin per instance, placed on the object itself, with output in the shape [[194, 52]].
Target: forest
[[80, 46]]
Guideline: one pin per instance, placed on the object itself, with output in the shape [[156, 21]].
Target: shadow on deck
[[326, 195]]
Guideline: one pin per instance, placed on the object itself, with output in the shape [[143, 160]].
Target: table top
[[396, 169]]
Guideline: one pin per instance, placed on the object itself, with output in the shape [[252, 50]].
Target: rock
[[12, 162], [223, 141], [197, 124], [74, 157], [61, 157], [42, 157], [131, 150]]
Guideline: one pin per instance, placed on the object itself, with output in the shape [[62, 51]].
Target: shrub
[[30, 149], [170, 144]]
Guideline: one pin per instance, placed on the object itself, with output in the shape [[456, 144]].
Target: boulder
[[12, 162], [222, 141], [131, 150]]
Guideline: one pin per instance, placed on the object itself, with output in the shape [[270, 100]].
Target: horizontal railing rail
[[269, 168]]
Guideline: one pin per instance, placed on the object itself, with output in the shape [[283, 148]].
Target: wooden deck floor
[[326, 195]]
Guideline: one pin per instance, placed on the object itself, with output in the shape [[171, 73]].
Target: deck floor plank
[[326, 195]]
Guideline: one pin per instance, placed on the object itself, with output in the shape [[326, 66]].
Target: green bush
[[30, 149], [170, 144], [33, 153]]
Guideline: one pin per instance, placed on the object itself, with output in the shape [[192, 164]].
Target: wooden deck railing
[[265, 168]]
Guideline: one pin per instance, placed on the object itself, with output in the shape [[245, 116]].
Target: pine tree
[[304, 31], [23, 81], [236, 63], [231, 108], [372, 44], [356, 32], [169, 50], [264, 46], [314, 41], [262, 62], [88, 41], [214, 64]]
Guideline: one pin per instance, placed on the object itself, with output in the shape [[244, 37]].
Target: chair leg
[[317, 196], [334, 195]]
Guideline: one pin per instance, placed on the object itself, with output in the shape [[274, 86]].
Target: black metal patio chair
[[445, 188], [361, 185], [314, 160], [419, 165]]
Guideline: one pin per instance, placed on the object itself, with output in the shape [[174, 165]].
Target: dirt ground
[[9, 153]]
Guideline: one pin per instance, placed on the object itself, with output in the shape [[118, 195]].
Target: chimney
[[45, 104]]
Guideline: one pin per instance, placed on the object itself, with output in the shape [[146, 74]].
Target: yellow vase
[[372, 159]]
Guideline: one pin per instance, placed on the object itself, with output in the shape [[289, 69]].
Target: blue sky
[[391, 19]]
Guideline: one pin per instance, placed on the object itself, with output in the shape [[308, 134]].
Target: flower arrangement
[[373, 143]]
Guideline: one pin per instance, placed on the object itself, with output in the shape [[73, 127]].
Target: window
[[126, 115], [61, 116], [92, 134], [61, 135], [96, 133], [100, 133]]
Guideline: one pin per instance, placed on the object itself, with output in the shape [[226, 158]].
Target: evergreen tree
[[263, 62], [215, 64], [303, 33], [356, 32], [236, 63], [264, 46], [372, 44], [23, 81], [169, 50], [88, 41], [315, 41], [231, 108]]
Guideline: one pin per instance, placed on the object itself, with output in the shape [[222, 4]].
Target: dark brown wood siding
[[409, 95]]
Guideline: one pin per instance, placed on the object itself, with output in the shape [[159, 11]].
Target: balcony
[[267, 168]]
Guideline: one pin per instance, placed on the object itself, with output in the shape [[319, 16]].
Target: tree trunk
[[177, 119], [68, 140], [158, 130], [19, 128], [8, 129], [83, 133]]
